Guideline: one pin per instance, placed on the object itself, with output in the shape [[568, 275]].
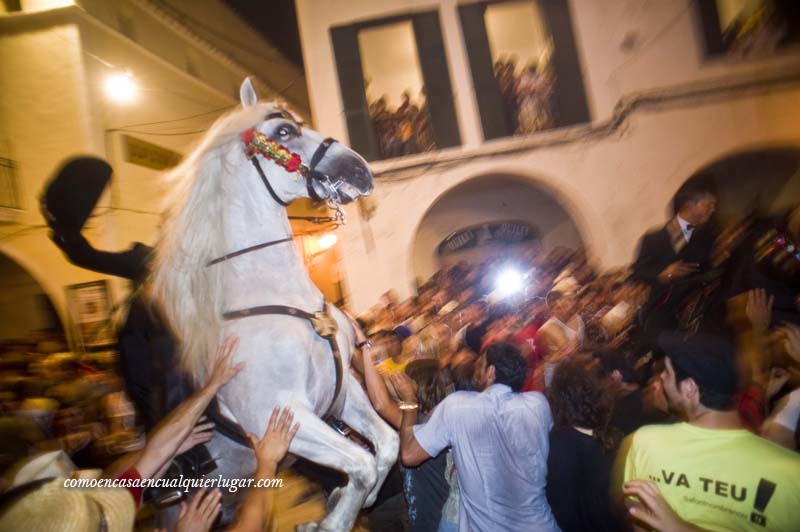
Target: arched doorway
[[485, 206], [25, 309], [763, 180]]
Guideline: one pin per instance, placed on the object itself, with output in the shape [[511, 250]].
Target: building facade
[[55, 57], [576, 118]]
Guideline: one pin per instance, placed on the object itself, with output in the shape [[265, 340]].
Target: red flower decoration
[[293, 163], [248, 135]]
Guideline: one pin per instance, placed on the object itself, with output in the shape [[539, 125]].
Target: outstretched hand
[[759, 310], [223, 370], [202, 432], [653, 510], [201, 512], [678, 270], [405, 387], [271, 449]]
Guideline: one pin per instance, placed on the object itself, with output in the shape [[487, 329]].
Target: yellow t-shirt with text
[[720, 480]]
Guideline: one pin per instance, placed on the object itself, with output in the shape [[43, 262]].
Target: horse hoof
[[307, 527]]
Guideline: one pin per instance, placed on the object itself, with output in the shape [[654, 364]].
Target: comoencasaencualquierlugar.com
[[231, 484]]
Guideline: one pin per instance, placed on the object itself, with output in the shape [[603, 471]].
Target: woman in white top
[[563, 333], [565, 325]]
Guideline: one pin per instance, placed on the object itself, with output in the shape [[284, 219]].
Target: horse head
[[327, 170]]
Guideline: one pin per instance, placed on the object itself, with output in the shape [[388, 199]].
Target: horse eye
[[286, 131]]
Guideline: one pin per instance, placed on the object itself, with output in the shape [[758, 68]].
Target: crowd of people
[[52, 399], [527, 101], [661, 396], [405, 130], [527, 95]]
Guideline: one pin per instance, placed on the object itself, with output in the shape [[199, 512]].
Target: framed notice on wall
[[90, 309]]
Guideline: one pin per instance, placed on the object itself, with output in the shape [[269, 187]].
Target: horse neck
[[274, 275]]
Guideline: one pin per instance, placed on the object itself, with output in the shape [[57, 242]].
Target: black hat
[[709, 360], [73, 192]]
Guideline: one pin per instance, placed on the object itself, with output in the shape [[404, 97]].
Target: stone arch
[[514, 180], [26, 281], [760, 176]]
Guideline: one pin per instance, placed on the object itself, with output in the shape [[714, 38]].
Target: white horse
[[226, 253]]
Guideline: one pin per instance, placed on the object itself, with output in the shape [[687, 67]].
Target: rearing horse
[[227, 265]]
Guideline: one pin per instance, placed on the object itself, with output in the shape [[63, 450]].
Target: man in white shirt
[[499, 440]]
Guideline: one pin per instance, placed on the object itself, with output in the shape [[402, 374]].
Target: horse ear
[[247, 94]]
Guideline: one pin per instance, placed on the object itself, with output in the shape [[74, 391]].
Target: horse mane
[[189, 292]]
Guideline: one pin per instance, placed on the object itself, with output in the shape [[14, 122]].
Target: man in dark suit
[[671, 260]]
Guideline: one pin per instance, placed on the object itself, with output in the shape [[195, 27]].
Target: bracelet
[[365, 343], [403, 405]]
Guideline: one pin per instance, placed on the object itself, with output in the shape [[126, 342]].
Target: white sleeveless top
[[569, 333]]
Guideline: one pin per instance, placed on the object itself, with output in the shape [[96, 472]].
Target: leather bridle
[[310, 174]]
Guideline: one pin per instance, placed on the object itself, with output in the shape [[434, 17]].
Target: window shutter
[[351, 82], [569, 101], [436, 76], [487, 92]]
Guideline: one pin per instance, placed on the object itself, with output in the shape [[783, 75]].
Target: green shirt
[[720, 480]]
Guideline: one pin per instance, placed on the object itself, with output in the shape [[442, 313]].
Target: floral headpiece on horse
[[256, 142]]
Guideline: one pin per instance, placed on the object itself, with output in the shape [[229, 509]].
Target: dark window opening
[[395, 86], [525, 66], [749, 28]]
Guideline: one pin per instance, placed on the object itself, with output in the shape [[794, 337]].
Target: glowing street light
[[121, 87]]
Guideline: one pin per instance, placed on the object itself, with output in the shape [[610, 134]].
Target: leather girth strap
[[324, 325]]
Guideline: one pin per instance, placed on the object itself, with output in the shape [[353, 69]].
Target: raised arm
[[270, 450], [168, 437], [377, 391]]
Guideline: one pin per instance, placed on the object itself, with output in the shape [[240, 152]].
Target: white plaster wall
[[613, 187], [44, 118]]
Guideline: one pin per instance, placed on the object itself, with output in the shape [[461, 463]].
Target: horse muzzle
[[342, 177]]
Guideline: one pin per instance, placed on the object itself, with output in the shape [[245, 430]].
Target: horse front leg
[[359, 414], [319, 443]]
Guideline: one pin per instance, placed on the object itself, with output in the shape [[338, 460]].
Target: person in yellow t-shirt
[[713, 474]]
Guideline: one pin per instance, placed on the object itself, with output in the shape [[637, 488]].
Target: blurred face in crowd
[[564, 307], [387, 346], [700, 210]]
